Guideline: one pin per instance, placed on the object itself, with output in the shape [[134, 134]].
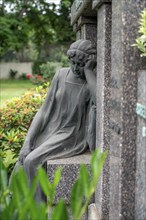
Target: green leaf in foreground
[[85, 185], [17, 199], [60, 212]]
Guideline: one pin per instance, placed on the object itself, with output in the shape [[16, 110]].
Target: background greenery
[[15, 119], [140, 42], [13, 88], [33, 29]]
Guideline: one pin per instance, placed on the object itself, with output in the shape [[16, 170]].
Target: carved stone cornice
[[98, 3]]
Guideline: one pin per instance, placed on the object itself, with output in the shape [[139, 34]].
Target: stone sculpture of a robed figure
[[65, 124]]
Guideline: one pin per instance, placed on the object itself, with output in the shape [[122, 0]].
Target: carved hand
[[90, 64], [91, 77]]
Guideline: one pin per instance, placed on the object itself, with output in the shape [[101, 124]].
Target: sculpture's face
[[77, 66]]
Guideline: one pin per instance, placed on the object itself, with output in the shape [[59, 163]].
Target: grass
[[13, 88]]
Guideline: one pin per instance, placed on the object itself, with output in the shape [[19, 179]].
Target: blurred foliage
[[141, 41], [15, 120], [65, 61], [32, 25], [13, 33], [13, 73], [36, 67], [17, 199], [44, 72], [48, 70]]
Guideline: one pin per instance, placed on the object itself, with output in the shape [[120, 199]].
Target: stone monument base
[[70, 170]]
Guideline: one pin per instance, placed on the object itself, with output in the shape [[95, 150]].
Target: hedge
[[15, 119]]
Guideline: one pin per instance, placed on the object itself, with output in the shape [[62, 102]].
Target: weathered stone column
[[83, 19], [103, 94], [121, 105], [140, 191], [125, 71], [86, 28]]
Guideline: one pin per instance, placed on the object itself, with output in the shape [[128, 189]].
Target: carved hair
[[81, 48]]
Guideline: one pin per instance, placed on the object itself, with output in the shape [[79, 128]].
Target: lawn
[[13, 88]]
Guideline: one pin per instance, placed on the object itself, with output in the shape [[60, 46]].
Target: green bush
[[13, 73], [22, 76], [15, 119], [21, 205], [64, 61], [48, 70], [43, 72], [141, 40], [36, 67], [56, 52], [38, 80]]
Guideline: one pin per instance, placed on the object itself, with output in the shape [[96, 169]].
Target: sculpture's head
[[79, 52]]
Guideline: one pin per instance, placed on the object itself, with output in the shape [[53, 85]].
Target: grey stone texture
[[98, 3], [121, 83], [86, 28], [140, 194], [125, 64], [85, 9], [84, 21], [103, 94], [70, 170]]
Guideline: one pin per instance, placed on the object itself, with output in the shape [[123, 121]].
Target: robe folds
[[66, 121]]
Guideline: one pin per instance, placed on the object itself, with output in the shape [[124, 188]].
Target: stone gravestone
[[140, 194], [103, 94], [126, 85], [121, 103], [70, 170]]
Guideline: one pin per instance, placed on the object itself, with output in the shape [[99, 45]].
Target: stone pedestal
[[70, 170]]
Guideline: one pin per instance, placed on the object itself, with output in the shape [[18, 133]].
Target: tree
[[63, 26], [38, 21], [13, 33]]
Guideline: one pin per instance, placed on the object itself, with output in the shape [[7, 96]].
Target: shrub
[[48, 70], [45, 72], [22, 76], [36, 67], [25, 76], [141, 40], [65, 61], [22, 205], [15, 119], [13, 73], [28, 76], [37, 80]]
